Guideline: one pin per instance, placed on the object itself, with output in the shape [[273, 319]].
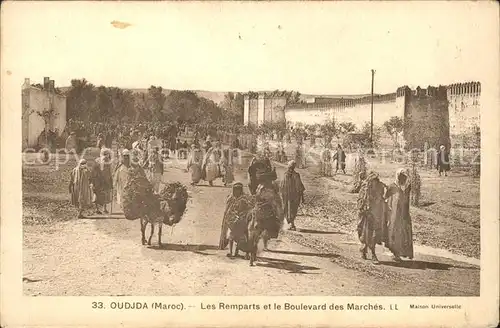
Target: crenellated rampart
[[434, 114]]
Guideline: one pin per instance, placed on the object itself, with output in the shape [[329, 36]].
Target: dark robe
[[340, 158], [292, 192], [371, 212], [443, 161]]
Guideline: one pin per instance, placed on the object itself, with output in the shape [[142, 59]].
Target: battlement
[[468, 88], [264, 95], [339, 103]]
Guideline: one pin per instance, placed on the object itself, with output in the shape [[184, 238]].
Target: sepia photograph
[[248, 150]]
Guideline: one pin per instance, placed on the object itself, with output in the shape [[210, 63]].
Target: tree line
[[90, 103]]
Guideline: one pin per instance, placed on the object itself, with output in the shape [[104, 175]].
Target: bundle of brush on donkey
[[251, 220], [235, 221], [139, 202]]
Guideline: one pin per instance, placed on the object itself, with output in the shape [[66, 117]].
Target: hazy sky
[[318, 47]]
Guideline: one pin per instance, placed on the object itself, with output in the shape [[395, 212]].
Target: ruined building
[[37, 99]]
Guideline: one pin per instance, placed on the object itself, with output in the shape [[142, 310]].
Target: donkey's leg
[[363, 250], [144, 223], [230, 254], [152, 232], [374, 256], [160, 228]]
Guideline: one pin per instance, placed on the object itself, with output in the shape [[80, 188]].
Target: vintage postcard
[[241, 164]]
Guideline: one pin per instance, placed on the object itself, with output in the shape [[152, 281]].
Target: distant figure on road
[[443, 161], [121, 175], [299, 156], [100, 141], [399, 228], [80, 187], [155, 166], [194, 162], [280, 153], [292, 193], [340, 158], [71, 143], [326, 162], [227, 167], [211, 164], [207, 145]]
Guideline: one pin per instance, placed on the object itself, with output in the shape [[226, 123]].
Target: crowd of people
[[210, 154]]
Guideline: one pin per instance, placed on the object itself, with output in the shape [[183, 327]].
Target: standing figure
[[399, 238], [292, 193], [267, 151], [371, 213], [100, 141], [72, 143], [340, 158], [326, 162], [255, 165], [210, 165], [207, 145], [266, 218], [194, 163], [443, 161], [280, 153], [121, 176], [185, 147], [299, 156], [155, 166], [80, 187], [234, 224], [102, 181], [227, 166]]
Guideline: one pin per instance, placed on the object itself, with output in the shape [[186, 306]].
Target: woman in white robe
[[121, 176], [194, 162], [211, 164]]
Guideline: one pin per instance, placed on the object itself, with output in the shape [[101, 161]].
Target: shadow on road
[[321, 232], [214, 186], [31, 280], [290, 266], [105, 217], [424, 265], [185, 248], [329, 256]]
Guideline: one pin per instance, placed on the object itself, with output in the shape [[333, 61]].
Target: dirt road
[[105, 257]]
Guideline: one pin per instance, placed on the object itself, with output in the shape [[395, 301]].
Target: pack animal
[[170, 215]]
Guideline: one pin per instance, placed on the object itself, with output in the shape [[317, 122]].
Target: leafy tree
[[208, 111], [365, 135], [155, 102], [329, 130], [394, 127], [233, 105], [347, 127], [104, 105], [81, 98], [142, 112], [182, 106]]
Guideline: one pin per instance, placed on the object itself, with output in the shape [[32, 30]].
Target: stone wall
[[436, 115], [426, 118], [261, 109], [464, 113]]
